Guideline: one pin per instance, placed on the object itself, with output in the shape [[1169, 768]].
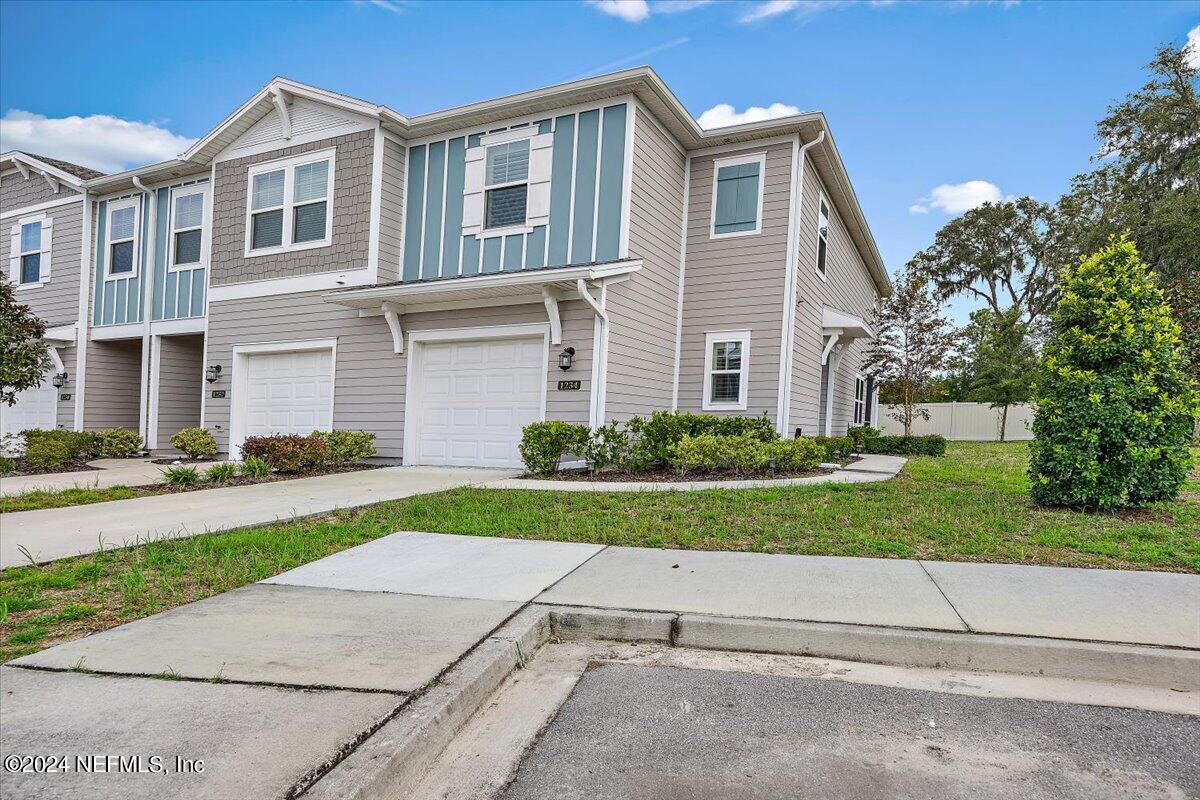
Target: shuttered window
[[31, 252], [506, 175], [736, 196], [860, 399]]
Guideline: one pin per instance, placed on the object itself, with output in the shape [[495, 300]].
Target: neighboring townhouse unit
[[583, 252]]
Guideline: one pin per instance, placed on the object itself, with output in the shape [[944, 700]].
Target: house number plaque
[[218, 393], [568, 386]]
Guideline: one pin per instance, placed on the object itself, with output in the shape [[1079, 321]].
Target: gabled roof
[[72, 174], [641, 82]]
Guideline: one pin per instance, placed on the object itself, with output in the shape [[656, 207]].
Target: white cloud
[[628, 10], [955, 198], [1193, 48], [771, 8], [635, 58], [723, 114], [100, 141]]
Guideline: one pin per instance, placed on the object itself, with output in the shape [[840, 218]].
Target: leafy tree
[[1003, 362], [1002, 254], [1149, 183], [1115, 402], [23, 358], [1184, 296], [913, 342]]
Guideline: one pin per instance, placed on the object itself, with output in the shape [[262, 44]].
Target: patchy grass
[[38, 499], [971, 505]]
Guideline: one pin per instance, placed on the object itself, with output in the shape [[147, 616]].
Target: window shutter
[[47, 246], [14, 254], [472, 221], [541, 158]]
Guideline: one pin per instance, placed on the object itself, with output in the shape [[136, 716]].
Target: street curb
[[624, 626], [396, 755], [1144, 665]]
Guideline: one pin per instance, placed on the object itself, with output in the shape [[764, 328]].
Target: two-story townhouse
[[582, 252], [42, 208]]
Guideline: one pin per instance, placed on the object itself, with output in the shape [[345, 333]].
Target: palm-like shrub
[[1115, 404]]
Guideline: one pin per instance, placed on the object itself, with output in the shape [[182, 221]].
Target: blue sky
[[919, 95]]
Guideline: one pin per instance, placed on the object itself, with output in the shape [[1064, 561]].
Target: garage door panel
[[34, 408], [475, 397], [288, 393]]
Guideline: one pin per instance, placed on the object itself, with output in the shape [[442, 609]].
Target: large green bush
[[195, 443], [118, 442], [607, 445], [346, 447], [656, 436], [932, 444], [46, 453], [795, 455], [739, 454], [79, 444], [859, 434], [1115, 404], [544, 443]]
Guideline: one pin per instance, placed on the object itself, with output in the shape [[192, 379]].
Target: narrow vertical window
[[726, 370], [822, 236], [266, 206], [122, 224], [187, 225], [309, 187], [860, 399], [31, 252]]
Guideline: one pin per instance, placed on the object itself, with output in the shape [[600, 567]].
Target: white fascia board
[[74, 181], [322, 281]]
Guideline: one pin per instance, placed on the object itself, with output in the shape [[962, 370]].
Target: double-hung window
[[822, 237], [187, 227], [31, 253], [122, 235], [289, 204], [737, 195], [726, 370], [506, 184], [860, 399]]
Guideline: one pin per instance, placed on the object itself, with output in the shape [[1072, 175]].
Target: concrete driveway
[[62, 532]]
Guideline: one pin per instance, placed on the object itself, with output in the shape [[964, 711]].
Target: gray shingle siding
[[17, 192], [351, 216]]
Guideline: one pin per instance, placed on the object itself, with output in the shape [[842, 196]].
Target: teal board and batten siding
[[177, 293], [118, 301], [586, 195]]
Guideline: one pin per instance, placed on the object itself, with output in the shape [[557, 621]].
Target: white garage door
[[288, 393], [474, 398], [35, 408]]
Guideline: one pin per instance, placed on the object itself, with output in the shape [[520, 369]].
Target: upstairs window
[[122, 232], [860, 399], [737, 196], [289, 204], [187, 228], [31, 252], [506, 183], [726, 370], [822, 237]]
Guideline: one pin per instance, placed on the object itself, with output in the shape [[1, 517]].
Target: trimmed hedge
[[195, 443], [289, 454], [794, 455], [835, 446], [346, 447], [118, 443], [46, 453], [930, 445], [543, 444], [79, 444], [709, 453]]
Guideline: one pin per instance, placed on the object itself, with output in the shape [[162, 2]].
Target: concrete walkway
[[62, 532], [108, 472], [868, 469]]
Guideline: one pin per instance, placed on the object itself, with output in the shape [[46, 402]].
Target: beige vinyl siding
[[848, 287], [17, 192], [641, 354], [56, 302], [114, 384], [351, 203], [180, 370], [391, 211], [369, 381], [66, 408], [736, 283]]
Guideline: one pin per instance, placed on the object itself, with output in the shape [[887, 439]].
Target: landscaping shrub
[[795, 455], [79, 444], [195, 443], [544, 443], [930, 445], [220, 473], [835, 446], [860, 433], [346, 447], [609, 444], [1115, 402], [180, 476], [289, 454], [6, 465], [118, 443], [46, 453], [254, 468], [656, 436], [709, 453]]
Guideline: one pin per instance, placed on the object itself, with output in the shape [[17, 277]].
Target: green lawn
[[971, 505], [38, 499]]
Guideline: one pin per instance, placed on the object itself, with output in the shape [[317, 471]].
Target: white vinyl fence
[[964, 422]]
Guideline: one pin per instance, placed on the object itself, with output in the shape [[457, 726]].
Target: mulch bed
[[670, 476], [22, 469], [245, 480]]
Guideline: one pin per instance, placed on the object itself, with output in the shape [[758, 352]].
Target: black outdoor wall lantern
[[565, 358], [212, 373], [59, 380]]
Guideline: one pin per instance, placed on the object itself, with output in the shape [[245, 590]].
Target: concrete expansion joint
[[945, 597]]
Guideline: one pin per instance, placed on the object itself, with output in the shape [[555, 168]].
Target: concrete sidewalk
[[108, 472], [62, 532]]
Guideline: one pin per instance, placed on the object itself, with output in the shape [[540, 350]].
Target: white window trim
[[43, 263], [113, 207], [822, 200], [856, 417], [185, 191], [288, 166], [711, 338], [506, 137], [733, 161]]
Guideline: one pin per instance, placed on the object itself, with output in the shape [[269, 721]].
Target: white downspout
[[85, 310], [147, 273], [599, 351], [790, 287]]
